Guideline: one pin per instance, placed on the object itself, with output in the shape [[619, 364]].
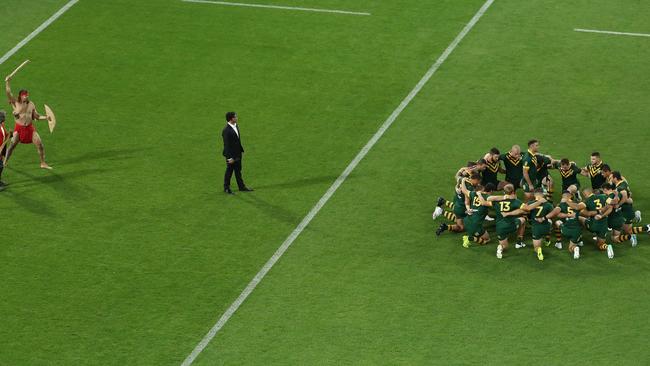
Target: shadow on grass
[[30, 204], [109, 154], [273, 211], [299, 183], [59, 182]]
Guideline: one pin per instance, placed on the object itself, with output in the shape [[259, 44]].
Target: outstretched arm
[[556, 211], [585, 213], [483, 201], [517, 212], [496, 198], [38, 116], [604, 212], [532, 206], [463, 188], [10, 97], [576, 206]]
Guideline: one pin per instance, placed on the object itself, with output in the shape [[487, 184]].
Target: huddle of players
[[606, 206]]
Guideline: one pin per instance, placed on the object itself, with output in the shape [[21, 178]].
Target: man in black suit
[[232, 151]]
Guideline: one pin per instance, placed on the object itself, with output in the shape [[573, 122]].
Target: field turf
[[128, 252]]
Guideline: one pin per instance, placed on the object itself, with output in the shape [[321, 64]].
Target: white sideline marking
[[353, 164], [276, 7], [38, 30], [611, 32]]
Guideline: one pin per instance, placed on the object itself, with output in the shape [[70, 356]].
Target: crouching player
[[462, 173], [507, 223], [594, 212], [461, 205], [475, 218], [570, 224], [616, 220], [627, 209], [540, 219], [537, 210]]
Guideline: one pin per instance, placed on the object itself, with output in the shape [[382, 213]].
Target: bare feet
[[45, 166]]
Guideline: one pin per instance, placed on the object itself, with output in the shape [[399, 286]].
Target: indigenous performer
[[24, 112]]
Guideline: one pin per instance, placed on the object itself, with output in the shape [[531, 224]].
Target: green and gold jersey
[[514, 168], [489, 174], [459, 199], [620, 188], [479, 210], [530, 164], [611, 197], [624, 186], [508, 205], [573, 222], [569, 177], [542, 168], [595, 173], [539, 212], [596, 202]]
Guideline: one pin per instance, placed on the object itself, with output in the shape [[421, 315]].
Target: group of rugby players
[[606, 206]]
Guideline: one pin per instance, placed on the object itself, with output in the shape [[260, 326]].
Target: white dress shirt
[[234, 127]]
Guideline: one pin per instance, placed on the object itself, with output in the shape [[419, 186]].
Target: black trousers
[[230, 168]]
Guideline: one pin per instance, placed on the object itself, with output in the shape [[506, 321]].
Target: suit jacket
[[232, 148]]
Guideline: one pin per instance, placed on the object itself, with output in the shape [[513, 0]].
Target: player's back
[[596, 202], [507, 205], [479, 210], [570, 221], [540, 211]]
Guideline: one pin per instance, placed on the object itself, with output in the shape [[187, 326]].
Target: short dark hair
[[595, 153], [230, 116], [3, 115], [606, 168], [482, 161], [471, 164], [565, 161], [489, 187], [475, 176], [538, 190], [617, 175], [565, 192], [531, 142], [607, 186], [495, 151]]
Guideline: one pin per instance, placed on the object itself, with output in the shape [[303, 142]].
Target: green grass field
[[128, 252]]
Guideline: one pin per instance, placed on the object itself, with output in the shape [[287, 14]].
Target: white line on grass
[[38, 30], [332, 189], [276, 7], [611, 32]]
